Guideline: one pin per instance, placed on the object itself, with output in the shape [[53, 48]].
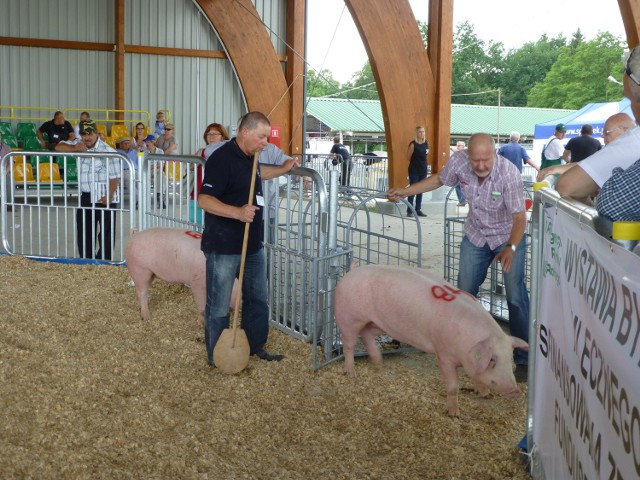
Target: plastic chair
[[25, 130], [10, 141], [119, 131], [173, 171], [102, 128], [48, 172], [23, 171], [31, 143], [70, 169], [110, 141], [6, 129]]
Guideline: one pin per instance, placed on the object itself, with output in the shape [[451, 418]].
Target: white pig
[[421, 309], [173, 255]]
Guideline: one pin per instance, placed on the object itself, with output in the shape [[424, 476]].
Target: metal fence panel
[[43, 200]]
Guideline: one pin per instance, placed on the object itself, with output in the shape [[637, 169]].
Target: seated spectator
[[124, 147], [57, 129], [84, 116], [579, 148], [138, 137], [591, 173], [150, 145], [615, 126], [160, 124], [167, 142], [618, 197]]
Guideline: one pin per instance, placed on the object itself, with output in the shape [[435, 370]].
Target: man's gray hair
[[252, 119], [514, 136]]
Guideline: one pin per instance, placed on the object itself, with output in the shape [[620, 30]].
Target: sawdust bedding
[[89, 390]]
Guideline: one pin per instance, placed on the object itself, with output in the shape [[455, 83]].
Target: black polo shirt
[[227, 176]]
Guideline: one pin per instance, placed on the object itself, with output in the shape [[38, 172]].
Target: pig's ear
[[479, 357], [519, 343]]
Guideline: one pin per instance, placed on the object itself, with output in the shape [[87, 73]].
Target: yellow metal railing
[[25, 113], [106, 115]]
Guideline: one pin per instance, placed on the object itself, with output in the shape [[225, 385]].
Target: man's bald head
[[615, 126], [482, 153]]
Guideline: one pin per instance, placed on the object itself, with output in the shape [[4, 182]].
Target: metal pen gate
[[44, 211]]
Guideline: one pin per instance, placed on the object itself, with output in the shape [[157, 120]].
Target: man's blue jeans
[[221, 272], [474, 264]]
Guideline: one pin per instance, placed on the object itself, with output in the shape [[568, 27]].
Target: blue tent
[[595, 114]]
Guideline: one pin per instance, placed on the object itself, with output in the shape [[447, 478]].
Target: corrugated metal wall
[[197, 91]]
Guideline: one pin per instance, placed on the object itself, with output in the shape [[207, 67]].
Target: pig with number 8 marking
[[172, 255], [418, 308]]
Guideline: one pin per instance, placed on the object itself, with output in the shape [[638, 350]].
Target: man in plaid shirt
[[494, 228]]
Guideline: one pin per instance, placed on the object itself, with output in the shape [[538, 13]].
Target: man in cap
[[99, 178], [586, 179], [553, 150]]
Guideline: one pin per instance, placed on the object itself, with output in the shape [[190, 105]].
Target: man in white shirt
[[553, 150], [98, 181], [589, 175]]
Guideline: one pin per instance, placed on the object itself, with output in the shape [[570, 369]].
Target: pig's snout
[[514, 393]]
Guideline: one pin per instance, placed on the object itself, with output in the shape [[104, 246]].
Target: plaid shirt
[[492, 203], [618, 198], [96, 170]]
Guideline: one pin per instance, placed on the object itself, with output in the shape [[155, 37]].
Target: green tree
[[580, 74], [322, 84], [472, 68], [526, 66], [362, 85]]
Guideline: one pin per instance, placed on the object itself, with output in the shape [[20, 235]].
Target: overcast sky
[[512, 23]]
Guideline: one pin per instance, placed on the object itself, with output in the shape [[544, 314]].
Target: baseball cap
[[88, 126], [561, 128], [122, 139], [150, 138]]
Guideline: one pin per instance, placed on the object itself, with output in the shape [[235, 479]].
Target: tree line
[[548, 73]]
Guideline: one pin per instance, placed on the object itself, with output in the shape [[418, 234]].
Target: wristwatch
[[512, 247]]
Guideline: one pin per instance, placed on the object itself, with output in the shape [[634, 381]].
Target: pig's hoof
[[454, 413]]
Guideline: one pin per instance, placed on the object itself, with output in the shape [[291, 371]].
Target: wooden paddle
[[231, 353]]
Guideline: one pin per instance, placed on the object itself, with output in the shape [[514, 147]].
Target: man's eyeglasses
[[628, 71], [606, 133]]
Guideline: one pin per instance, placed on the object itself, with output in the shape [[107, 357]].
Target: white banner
[[586, 414]]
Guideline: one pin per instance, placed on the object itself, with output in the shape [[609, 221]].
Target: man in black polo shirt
[[223, 197], [579, 148], [57, 130]]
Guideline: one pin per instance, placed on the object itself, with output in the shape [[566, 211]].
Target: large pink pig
[[173, 255], [418, 308]]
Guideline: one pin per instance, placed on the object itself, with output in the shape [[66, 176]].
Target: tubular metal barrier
[[368, 172], [47, 215], [169, 187], [584, 397]]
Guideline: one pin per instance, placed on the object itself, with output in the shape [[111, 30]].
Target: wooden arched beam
[[630, 11], [404, 77], [254, 59]]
